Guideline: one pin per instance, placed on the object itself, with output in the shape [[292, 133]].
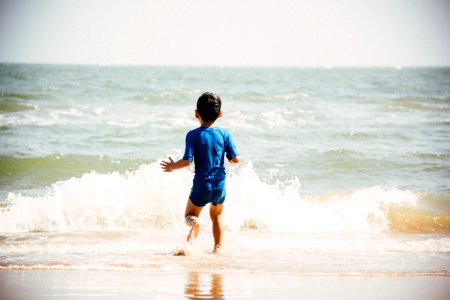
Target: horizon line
[[312, 66]]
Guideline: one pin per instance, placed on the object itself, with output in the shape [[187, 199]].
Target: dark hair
[[208, 106]]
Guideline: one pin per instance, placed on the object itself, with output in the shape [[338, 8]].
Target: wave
[[17, 95], [12, 105], [28, 95], [32, 172], [421, 103], [146, 199], [167, 95], [411, 220], [426, 155]]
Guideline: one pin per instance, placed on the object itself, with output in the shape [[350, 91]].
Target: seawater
[[344, 170]]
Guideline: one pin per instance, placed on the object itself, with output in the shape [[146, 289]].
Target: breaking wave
[[146, 199]]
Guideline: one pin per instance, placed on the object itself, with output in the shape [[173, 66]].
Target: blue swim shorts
[[202, 194]]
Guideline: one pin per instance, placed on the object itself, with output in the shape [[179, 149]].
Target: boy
[[207, 147]]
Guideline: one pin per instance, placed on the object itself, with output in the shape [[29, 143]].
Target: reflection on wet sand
[[204, 286]]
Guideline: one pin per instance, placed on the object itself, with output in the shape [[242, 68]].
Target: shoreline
[[138, 284], [124, 269]]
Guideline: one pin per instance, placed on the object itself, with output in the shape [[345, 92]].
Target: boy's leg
[[215, 211], [191, 217]]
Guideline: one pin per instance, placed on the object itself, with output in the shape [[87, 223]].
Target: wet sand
[[64, 284]]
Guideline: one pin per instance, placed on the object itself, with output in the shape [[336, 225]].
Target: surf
[[146, 200]]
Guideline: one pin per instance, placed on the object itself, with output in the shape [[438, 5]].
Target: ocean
[[344, 170]]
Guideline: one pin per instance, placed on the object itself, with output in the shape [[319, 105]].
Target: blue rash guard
[[207, 148]]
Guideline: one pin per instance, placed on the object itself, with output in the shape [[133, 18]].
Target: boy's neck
[[207, 124]]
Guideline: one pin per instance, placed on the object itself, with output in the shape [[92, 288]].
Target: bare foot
[[180, 252], [193, 233], [216, 250]]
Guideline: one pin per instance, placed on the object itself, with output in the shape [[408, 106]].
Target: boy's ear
[[220, 114], [196, 114]]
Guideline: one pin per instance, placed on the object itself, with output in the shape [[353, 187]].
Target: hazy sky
[[227, 32]]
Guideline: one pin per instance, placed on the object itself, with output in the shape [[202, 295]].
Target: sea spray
[[132, 201], [281, 208], [148, 199]]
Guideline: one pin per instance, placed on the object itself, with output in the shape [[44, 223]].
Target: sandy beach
[[57, 284]]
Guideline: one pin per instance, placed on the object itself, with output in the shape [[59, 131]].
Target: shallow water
[[344, 170], [209, 285]]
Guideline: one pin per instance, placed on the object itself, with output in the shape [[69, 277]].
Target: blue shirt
[[207, 147]]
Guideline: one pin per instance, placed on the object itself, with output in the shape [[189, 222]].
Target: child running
[[206, 146]]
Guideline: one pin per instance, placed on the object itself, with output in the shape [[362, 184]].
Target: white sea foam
[[282, 208], [148, 198], [134, 221]]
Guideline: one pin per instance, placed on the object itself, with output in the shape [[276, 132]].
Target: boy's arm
[[169, 166]]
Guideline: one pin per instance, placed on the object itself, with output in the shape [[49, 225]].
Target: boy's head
[[208, 107]]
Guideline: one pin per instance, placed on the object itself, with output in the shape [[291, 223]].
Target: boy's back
[[207, 146]]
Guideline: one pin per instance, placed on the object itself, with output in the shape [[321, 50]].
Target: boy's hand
[[167, 165], [235, 160]]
